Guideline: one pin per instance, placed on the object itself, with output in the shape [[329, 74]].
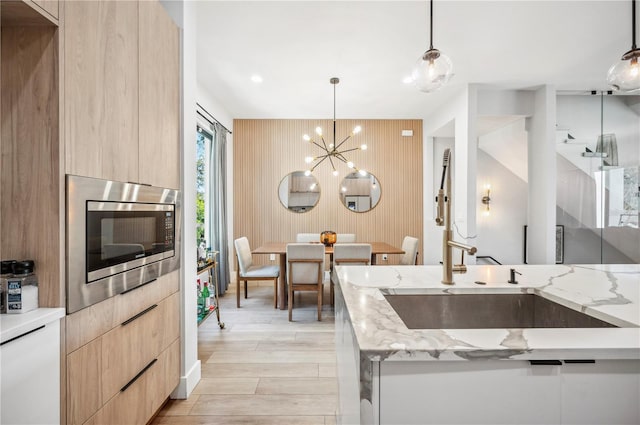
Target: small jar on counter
[[22, 288], [6, 271]]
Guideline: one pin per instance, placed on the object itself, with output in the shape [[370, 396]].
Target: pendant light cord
[[334, 116], [431, 27], [633, 24]]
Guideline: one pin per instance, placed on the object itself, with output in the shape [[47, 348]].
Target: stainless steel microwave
[[120, 236]]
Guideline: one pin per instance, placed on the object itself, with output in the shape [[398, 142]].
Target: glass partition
[[598, 158]]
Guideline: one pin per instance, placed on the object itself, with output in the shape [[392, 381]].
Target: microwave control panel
[[168, 229]]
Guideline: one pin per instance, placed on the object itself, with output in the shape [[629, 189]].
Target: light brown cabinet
[[30, 175], [49, 6], [127, 348], [122, 103], [84, 373], [101, 89], [127, 340], [145, 395], [72, 102], [159, 70]]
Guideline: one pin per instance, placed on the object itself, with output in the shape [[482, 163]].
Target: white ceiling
[[296, 46]]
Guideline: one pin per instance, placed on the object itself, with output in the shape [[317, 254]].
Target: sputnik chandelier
[[332, 150]]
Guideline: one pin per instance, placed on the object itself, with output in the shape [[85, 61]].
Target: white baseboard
[[188, 383]]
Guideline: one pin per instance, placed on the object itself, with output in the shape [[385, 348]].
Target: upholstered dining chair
[[410, 248], [308, 237], [305, 271], [246, 271], [349, 253], [345, 238]]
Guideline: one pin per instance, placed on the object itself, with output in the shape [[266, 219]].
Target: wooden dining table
[[280, 249]]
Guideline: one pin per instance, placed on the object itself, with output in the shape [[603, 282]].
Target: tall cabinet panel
[[29, 153], [101, 80], [159, 66]]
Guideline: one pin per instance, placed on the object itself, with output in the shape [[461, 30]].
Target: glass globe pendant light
[[433, 69], [625, 74]]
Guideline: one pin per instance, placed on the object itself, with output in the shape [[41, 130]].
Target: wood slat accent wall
[[265, 151]]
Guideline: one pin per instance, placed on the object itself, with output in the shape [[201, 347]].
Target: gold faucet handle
[[460, 268]]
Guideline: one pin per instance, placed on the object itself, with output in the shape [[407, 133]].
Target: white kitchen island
[[391, 374]]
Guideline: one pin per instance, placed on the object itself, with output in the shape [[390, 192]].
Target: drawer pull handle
[[142, 313], [137, 287], [140, 184], [545, 362], [579, 361], [24, 334], [135, 378]]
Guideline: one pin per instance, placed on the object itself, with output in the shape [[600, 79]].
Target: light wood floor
[[261, 368]]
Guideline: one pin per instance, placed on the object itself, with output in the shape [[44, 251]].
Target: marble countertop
[[607, 292], [13, 325]]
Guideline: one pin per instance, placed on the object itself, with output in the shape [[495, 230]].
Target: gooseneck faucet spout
[[443, 218]]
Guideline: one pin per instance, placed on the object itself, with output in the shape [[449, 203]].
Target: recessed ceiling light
[[407, 80], [256, 78]]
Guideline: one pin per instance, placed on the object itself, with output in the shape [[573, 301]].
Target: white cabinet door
[[604, 392], [482, 392], [30, 377]]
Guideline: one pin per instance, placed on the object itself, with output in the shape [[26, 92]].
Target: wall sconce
[[486, 199]]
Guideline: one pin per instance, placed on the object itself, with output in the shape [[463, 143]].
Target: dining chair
[[245, 270], [349, 253], [305, 271], [346, 238], [308, 237], [410, 248]]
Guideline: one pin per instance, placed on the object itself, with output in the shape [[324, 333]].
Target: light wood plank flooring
[[263, 369]]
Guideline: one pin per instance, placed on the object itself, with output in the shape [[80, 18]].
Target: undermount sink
[[487, 311]]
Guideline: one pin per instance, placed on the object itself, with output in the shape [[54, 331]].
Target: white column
[[429, 238], [183, 14], [541, 216], [465, 162]]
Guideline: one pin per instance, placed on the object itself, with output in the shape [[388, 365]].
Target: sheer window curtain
[[218, 201]]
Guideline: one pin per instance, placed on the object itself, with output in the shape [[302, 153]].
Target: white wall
[[541, 157], [508, 146], [190, 373], [461, 111], [500, 233], [184, 14]]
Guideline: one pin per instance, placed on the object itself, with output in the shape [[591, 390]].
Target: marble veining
[[607, 292]]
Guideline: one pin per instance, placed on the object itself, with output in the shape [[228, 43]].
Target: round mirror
[[360, 191], [299, 193]]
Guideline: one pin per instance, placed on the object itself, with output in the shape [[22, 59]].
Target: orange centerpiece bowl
[[328, 237]]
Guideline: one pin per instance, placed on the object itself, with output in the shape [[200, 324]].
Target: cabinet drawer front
[[128, 348], [129, 304], [145, 395], [91, 322], [84, 368]]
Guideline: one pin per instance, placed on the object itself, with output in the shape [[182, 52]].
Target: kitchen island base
[[391, 374], [509, 392]]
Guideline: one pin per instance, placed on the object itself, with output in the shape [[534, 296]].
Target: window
[[204, 142]]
